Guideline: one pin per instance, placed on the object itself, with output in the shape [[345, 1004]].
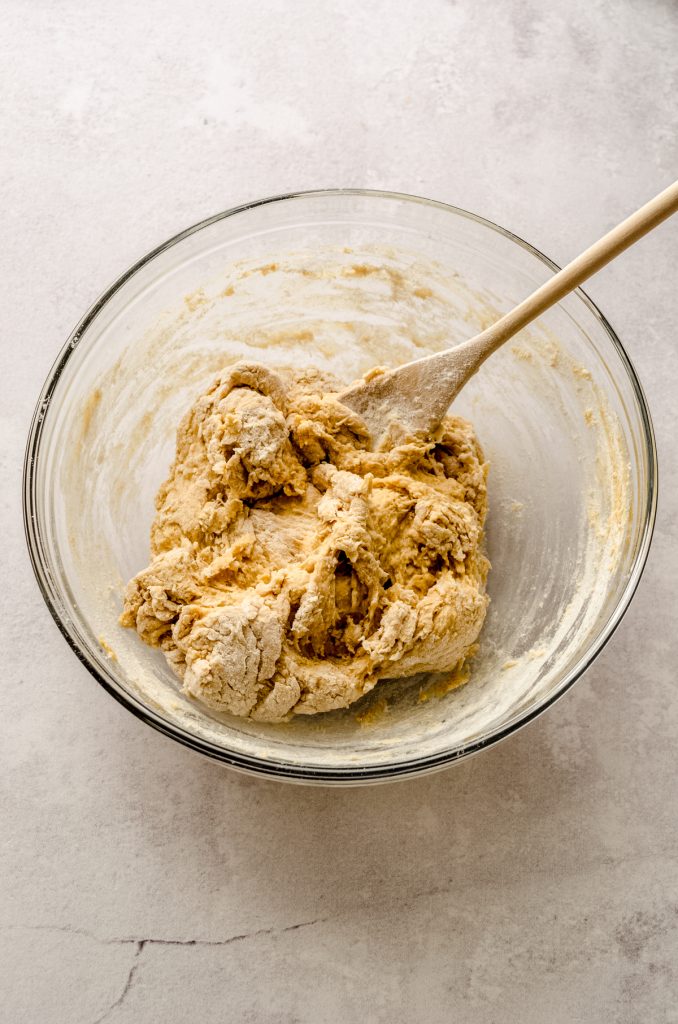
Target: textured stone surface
[[538, 882]]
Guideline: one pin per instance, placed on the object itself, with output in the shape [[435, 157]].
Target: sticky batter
[[292, 568]]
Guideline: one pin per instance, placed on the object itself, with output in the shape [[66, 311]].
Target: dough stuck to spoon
[[293, 568]]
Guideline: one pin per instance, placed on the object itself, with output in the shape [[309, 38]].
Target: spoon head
[[407, 402]]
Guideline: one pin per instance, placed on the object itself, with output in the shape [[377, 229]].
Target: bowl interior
[[346, 281]]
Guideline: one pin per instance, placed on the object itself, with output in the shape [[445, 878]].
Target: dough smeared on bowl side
[[293, 568]]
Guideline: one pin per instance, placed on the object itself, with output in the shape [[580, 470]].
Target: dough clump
[[292, 568]]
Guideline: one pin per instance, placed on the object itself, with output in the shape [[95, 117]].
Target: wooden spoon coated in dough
[[414, 398]]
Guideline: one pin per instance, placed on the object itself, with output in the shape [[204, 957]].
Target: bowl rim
[[280, 769]]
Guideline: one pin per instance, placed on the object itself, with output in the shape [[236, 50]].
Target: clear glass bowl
[[344, 280]]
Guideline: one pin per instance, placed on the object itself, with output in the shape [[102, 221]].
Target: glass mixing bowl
[[346, 280]]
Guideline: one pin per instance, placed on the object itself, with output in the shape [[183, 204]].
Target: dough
[[293, 568]]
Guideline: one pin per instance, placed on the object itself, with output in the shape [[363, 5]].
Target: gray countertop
[[537, 882]]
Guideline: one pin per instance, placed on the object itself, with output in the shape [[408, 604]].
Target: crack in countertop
[[150, 941], [128, 983], [140, 945]]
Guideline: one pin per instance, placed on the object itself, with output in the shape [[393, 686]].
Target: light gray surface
[[537, 882]]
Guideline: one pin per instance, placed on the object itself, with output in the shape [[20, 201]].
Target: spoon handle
[[579, 270], [416, 396]]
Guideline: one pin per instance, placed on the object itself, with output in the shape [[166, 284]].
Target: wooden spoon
[[414, 398]]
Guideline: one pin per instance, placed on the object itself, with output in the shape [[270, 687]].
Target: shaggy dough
[[292, 568]]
